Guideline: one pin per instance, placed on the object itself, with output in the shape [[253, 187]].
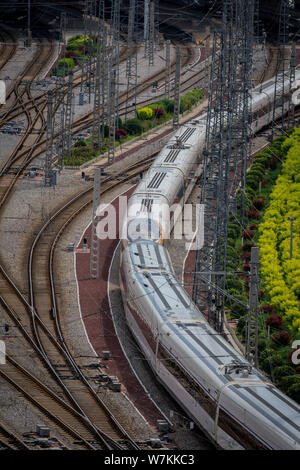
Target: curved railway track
[[79, 124], [10, 440], [43, 329], [42, 98], [31, 71], [29, 148], [8, 47], [47, 337], [18, 109]]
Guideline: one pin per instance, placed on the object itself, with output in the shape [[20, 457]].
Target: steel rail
[[29, 308], [137, 168], [7, 50], [10, 439]]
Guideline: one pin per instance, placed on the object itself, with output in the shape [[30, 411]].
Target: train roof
[[165, 181], [184, 146], [195, 338]]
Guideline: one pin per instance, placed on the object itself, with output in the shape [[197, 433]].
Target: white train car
[[232, 402]]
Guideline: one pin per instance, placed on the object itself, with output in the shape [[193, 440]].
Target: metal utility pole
[[291, 219], [104, 82], [62, 41], [69, 115], [95, 241], [111, 114], [226, 150], [291, 110], [97, 140], [28, 24], [96, 133], [177, 89], [151, 33], [86, 65], [49, 141], [90, 47], [257, 31], [131, 64], [61, 140], [252, 320], [116, 50], [168, 69], [207, 76], [146, 25], [282, 68]]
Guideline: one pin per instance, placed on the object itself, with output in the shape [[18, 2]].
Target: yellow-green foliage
[[282, 275], [145, 113], [79, 40]]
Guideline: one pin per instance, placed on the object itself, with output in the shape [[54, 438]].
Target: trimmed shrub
[[259, 203], [247, 234], [80, 143], [266, 353], [168, 105], [159, 113], [283, 338], [68, 63], [120, 134], [72, 55], [145, 113], [268, 309], [274, 322], [272, 361], [253, 227], [245, 255], [253, 214], [133, 126]]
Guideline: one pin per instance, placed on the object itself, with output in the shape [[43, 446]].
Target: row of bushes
[[147, 118], [156, 112], [275, 338], [78, 49], [282, 275], [160, 109]]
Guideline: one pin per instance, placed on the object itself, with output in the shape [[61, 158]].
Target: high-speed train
[[235, 405]]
